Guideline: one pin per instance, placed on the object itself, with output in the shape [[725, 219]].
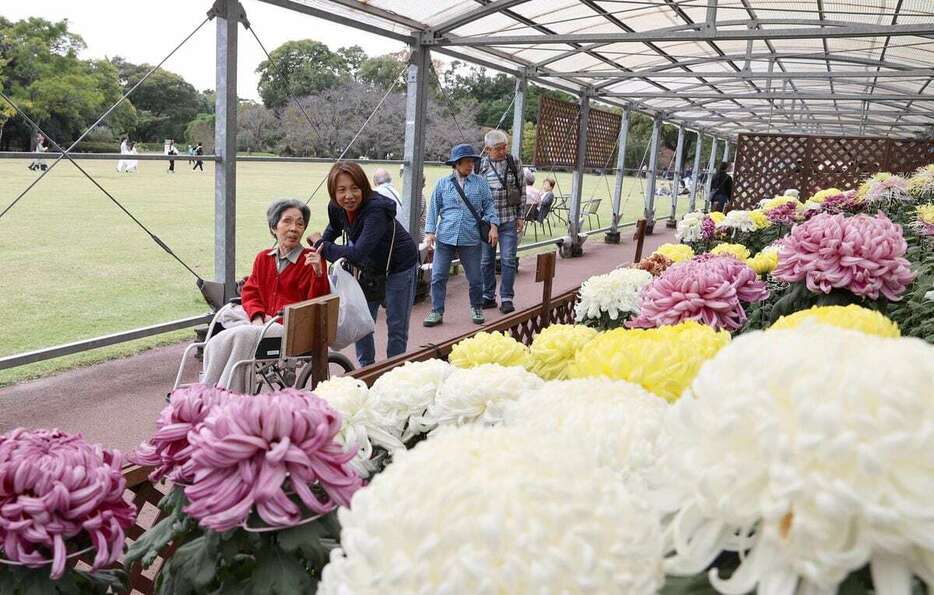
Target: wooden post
[[545, 273], [309, 327], [640, 239]]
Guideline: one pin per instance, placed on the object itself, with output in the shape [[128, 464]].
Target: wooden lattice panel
[[767, 164], [557, 135], [602, 136]]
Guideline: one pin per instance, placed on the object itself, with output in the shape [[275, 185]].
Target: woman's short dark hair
[[275, 210], [725, 165], [356, 174]]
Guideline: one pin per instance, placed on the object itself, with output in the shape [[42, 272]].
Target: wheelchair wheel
[[338, 365]]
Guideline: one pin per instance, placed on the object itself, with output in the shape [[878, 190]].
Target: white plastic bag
[[353, 319]]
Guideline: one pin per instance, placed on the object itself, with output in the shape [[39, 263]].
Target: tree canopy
[[165, 102], [301, 68]]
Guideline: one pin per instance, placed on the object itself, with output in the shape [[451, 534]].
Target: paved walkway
[[116, 403]]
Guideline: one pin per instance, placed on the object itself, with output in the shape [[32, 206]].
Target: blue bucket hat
[[460, 152]]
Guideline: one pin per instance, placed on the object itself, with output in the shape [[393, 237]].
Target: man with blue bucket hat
[[461, 218]]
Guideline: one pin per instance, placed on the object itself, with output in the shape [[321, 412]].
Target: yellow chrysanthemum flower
[[863, 191], [759, 217], [764, 262], [675, 252], [774, 203], [926, 213], [921, 184], [717, 216], [554, 349], [822, 195], [738, 250], [662, 360], [489, 348], [850, 317]]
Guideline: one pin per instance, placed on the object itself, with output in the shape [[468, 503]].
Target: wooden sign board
[[302, 322], [545, 267]]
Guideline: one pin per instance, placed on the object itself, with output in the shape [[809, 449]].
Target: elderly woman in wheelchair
[[250, 325]]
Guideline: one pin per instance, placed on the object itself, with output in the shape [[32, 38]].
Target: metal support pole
[[692, 201], [413, 153], [574, 246], [650, 175], [613, 236], [228, 14], [711, 164], [518, 116], [676, 178], [726, 151]]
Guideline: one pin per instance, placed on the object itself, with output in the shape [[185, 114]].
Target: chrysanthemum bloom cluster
[[555, 347], [54, 488], [852, 317], [689, 227], [759, 217], [362, 426], [926, 219], [489, 348], [615, 294], [737, 251], [618, 421], [863, 254], [738, 220], [822, 195], [708, 289], [478, 395], [403, 394], [778, 202], [838, 203], [663, 360], [675, 252], [248, 450], [765, 261], [793, 192], [811, 466], [783, 214], [168, 450], [496, 510], [921, 184], [717, 217], [655, 265], [883, 187]]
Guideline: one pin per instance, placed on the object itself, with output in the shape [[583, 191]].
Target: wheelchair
[[269, 369]]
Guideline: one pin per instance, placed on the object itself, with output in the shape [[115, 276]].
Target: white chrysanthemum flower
[[361, 425], [406, 392], [689, 228], [479, 511], [478, 394], [738, 220], [811, 465], [616, 293], [616, 421]]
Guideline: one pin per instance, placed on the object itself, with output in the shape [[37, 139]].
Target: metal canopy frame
[[721, 68]]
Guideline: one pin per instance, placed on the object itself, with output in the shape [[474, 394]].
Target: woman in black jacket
[[721, 188], [378, 246]]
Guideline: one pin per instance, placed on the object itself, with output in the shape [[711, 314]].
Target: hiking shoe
[[476, 315], [434, 318], [489, 303], [506, 307]]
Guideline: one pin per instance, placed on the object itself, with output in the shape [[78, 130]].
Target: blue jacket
[[369, 236], [448, 217]]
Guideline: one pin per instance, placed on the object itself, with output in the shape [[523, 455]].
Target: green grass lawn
[[73, 266]]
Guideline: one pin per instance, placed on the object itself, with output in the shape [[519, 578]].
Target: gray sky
[[144, 31]]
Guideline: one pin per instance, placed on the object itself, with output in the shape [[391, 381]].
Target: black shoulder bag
[[483, 225], [373, 280], [513, 195]]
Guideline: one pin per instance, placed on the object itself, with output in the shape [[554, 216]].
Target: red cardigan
[[266, 291]]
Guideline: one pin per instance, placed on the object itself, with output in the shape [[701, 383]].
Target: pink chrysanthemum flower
[[708, 229], [863, 254], [168, 450], [249, 450], [784, 214], [55, 487], [708, 289]]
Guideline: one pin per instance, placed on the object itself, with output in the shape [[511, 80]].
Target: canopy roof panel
[[826, 66]]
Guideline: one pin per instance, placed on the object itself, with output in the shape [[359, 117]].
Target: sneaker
[[476, 315], [434, 318], [506, 307], [489, 303]]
